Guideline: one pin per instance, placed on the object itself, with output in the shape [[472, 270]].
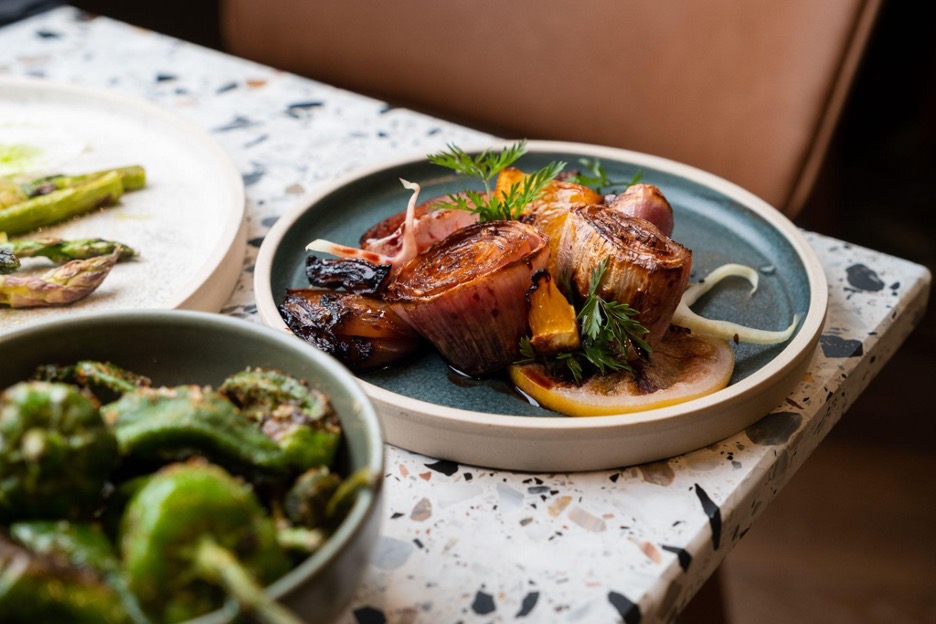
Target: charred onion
[[645, 269], [362, 332], [467, 293]]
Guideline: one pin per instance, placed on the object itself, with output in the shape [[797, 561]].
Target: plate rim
[[214, 281], [785, 362]]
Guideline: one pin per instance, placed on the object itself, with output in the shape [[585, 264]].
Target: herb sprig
[[485, 166], [608, 333], [596, 177]]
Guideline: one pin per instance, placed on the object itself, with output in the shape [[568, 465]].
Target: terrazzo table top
[[461, 543]]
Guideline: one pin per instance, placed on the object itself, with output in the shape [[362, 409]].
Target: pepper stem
[[217, 564]]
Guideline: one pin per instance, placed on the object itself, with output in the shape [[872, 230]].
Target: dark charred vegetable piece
[[40, 588], [162, 425], [82, 546], [351, 274], [298, 418], [61, 251], [362, 332], [93, 374], [55, 451], [194, 535], [8, 261]]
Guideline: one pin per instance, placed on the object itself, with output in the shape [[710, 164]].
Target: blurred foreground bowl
[[180, 347]]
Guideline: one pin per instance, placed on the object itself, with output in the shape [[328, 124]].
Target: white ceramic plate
[[187, 224], [427, 409]]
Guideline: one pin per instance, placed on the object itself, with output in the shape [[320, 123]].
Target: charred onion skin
[[467, 293], [549, 211], [362, 332], [351, 274], [646, 269]]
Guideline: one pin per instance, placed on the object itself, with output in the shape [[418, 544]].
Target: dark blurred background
[[850, 538]]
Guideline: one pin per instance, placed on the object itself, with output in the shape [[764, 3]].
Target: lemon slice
[[683, 367]]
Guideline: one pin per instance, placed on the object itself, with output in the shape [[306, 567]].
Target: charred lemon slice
[[682, 367]]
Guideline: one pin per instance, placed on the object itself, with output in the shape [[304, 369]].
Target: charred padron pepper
[[160, 425], [163, 503], [55, 451], [297, 417], [194, 534]]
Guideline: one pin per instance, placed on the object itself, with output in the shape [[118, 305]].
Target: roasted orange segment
[[683, 367], [552, 317], [549, 211]]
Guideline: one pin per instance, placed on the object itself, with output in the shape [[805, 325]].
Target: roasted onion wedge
[[646, 202], [549, 211], [646, 269], [683, 367], [362, 332], [467, 293]]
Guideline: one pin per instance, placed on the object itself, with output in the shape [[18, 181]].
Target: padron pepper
[[163, 425], [83, 546], [55, 451], [298, 418], [43, 588], [94, 376], [194, 534]]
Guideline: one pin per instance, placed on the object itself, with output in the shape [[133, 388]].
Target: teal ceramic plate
[[427, 408]]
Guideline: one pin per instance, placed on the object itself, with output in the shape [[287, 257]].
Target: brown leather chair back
[[747, 89]]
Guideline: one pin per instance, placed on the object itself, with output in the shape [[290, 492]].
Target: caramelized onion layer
[[646, 269], [467, 293], [548, 212]]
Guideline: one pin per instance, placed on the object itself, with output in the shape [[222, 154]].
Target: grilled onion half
[[467, 294], [646, 269]]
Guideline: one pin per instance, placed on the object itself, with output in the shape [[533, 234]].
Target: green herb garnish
[[608, 331], [485, 166], [596, 177]]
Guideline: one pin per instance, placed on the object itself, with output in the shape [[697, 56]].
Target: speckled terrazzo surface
[[459, 543]]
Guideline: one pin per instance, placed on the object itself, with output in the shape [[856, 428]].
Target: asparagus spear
[[62, 285], [132, 178], [60, 251], [8, 261], [10, 193], [62, 204]]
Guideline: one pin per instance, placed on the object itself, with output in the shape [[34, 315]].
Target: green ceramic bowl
[[175, 347]]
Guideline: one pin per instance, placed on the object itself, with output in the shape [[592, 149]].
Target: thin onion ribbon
[[685, 317]]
